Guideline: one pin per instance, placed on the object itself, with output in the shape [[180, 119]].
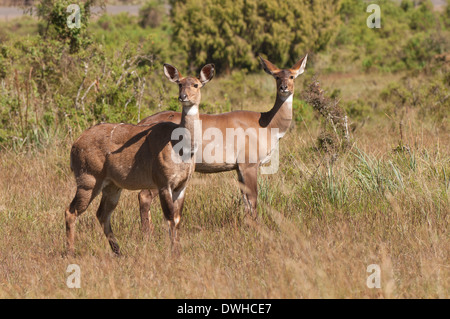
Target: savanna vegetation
[[364, 173]]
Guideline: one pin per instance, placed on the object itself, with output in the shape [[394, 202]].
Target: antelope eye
[[292, 77], [196, 85], [278, 78]]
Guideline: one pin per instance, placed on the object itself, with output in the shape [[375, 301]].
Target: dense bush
[[59, 80], [232, 33], [409, 37], [58, 89]]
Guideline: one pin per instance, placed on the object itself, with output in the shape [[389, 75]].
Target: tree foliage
[[232, 32], [53, 15]]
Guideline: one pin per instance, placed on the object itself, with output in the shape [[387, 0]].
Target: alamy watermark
[[374, 279], [74, 19], [374, 20], [234, 146], [74, 279]]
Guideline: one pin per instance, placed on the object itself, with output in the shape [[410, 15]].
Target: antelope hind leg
[[110, 198], [146, 197], [85, 193]]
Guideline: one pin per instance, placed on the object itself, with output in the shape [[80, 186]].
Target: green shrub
[[357, 110], [232, 33], [53, 16], [423, 18], [409, 36], [406, 5], [302, 111]]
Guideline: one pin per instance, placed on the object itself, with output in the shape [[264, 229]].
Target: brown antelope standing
[[110, 157], [279, 117]]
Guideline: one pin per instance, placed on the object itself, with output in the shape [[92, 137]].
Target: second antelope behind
[[110, 157]]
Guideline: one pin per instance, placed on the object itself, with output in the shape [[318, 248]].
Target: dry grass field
[[321, 225]]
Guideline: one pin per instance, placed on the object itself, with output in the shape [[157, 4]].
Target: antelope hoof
[[115, 248]]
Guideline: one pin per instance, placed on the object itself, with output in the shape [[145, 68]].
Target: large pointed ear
[[207, 73], [172, 73], [300, 66], [268, 66]]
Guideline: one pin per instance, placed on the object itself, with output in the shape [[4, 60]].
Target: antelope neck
[[280, 116], [189, 115], [189, 119]]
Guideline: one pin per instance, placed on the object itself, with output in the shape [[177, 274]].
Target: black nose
[[182, 97], [283, 87]]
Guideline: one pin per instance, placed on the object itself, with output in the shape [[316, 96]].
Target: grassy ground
[[321, 225]]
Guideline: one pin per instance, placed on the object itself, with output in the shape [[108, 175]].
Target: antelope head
[[189, 87], [285, 77]]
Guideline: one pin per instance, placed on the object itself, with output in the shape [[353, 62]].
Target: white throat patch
[[289, 100], [190, 110]]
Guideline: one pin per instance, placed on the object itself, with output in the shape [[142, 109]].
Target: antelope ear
[[268, 66], [300, 66], [207, 73], [172, 73]]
